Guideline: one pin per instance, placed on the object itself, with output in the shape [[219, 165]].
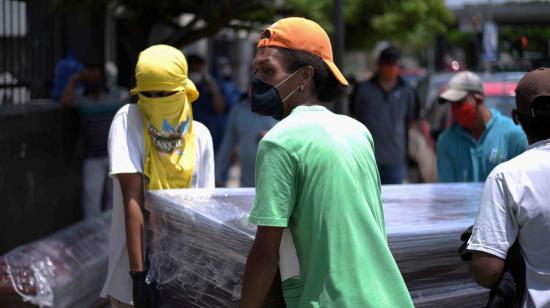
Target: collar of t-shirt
[[302, 108], [540, 144]]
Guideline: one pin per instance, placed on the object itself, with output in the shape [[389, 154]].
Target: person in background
[[96, 104], [353, 83], [515, 201], [244, 131], [317, 206], [232, 95], [229, 88], [64, 70], [154, 144], [480, 138], [210, 107], [387, 105]]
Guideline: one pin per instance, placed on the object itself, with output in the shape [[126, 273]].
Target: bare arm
[[131, 185], [261, 266], [218, 102], [68, 95], [486, 269]]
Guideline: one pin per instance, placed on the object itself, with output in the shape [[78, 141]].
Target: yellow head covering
[[170, 142]]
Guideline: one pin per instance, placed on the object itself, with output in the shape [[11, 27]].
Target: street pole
[[338, 46]]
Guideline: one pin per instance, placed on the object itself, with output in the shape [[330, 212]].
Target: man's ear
[[307, 73], [478, 97], [515, 116]]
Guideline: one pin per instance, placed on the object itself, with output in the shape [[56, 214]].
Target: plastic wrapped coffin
[[200, 240], [65, 269], [424, 223], [199, 243]]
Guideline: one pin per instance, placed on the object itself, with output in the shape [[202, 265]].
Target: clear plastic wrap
[[424, 223], [65, 269], [199, 243], [200, 240]]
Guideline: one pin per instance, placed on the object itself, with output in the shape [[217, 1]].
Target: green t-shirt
[[316, 174]]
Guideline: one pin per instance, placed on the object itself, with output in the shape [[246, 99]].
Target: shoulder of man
[[372, 81], [125, 110], [128, 118], [347, 120], [368, 83], [406, 86], [201, 130], [507, 127], [512, 165], [363, 89], [449, 135]]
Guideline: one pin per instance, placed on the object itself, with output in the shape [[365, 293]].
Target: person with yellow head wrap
[[154, 144]]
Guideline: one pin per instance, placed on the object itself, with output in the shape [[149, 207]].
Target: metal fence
[[27, 50]]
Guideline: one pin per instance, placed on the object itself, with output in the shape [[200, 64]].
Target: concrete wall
[[40, 172]]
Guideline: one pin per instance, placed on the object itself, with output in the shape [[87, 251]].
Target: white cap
[[460, 85]]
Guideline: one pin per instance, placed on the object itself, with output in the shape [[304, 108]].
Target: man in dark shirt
[[387, 106], [96, 104]]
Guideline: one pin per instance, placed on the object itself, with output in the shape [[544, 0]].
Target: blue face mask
[[265, 100]]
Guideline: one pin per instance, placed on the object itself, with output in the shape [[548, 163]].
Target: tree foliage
[[402, 22], [207, 17]]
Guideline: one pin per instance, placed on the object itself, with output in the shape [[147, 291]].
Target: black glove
[[464, 253], [144, 294]]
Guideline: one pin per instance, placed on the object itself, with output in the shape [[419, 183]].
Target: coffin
[[200, 240], [65, 269]]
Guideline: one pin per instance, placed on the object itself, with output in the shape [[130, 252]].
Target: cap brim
[[336, 72], [452, 95]]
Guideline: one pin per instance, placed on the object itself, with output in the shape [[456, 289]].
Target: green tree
[[137, 19], [207, 17], [402, 22], [412, 23]]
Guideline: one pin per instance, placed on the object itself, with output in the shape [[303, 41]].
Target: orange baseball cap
[[301, 34]]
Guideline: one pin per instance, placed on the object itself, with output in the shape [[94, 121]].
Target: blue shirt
[[203, 111], [461, 158]]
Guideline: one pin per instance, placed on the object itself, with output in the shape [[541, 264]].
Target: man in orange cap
[[318, 206]]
